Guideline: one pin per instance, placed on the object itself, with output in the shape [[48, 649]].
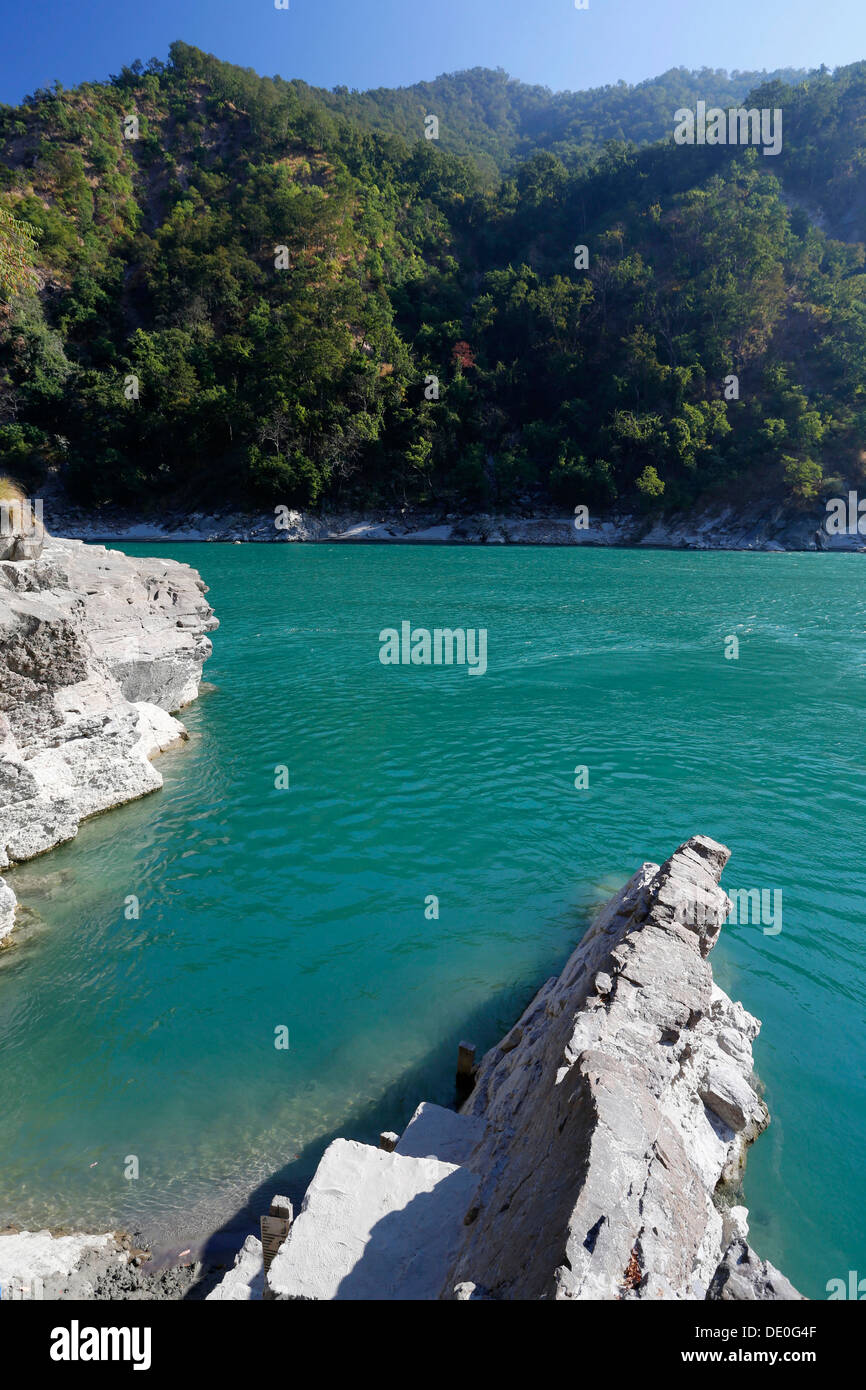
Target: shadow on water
[[423, 1081]]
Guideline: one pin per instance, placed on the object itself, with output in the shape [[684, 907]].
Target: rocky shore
[[599, 1155], [97, 652], [720, 528]]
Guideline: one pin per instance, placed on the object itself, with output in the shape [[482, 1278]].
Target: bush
[[803, 477], [649, 484]]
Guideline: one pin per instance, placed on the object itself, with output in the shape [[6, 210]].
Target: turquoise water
[[305, 907]]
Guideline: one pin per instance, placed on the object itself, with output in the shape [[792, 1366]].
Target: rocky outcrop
[[37, 1265], [97, 650], [619, 1107], [600, 1152]]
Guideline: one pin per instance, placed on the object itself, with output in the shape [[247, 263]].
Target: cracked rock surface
[[618, 1111], [97, 651]]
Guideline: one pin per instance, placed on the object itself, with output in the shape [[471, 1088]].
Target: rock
[[8, 904], [37, 1264], [246, 1279], [610, 1126], [436, 1132], [741, 1275], [97, 650], [22, 534], [597, 1155], [373, 1225], [735, 1225]]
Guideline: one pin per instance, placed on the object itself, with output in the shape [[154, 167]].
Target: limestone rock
[[246, 1279], [8, 904], [434, 1132], [97, 650], [37, 1264], [373, 1225], [742, 1275], [627, 1100]]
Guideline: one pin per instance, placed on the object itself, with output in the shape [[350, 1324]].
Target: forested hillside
[[497, 121], [262, 296]]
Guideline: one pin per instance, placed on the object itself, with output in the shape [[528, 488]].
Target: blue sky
[[368, 43]]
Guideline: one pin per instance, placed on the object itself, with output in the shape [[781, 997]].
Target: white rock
[[245, 1280], [96, 650], [374, 1225], [37, 1264], [434, 1132]]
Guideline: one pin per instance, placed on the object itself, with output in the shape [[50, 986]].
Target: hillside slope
[[257, 297]]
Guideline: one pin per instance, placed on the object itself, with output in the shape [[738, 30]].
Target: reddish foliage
[[463, 354]]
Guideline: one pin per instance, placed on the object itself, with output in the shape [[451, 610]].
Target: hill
[[222, 286]]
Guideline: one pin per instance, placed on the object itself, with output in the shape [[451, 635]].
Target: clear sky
[[369, 43]]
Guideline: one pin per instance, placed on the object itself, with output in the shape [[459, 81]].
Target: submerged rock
[[97, 651]]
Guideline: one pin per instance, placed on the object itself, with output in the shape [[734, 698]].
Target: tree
[[803, 477], [649, 484], [17, 250]]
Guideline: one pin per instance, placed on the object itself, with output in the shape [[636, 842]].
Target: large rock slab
[[374, 1225], [434, 1132]]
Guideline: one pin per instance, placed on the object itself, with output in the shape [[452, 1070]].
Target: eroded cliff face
[[600, 1152], [97, 650], [618, 1110]]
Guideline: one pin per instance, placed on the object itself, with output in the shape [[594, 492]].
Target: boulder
[[97, 651]]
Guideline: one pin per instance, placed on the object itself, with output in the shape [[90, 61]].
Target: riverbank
[[723, 528]]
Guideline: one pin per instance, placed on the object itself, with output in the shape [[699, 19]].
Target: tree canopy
[[221, 286]]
